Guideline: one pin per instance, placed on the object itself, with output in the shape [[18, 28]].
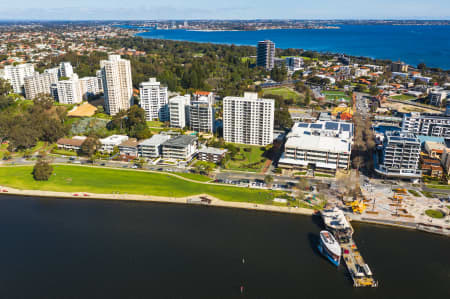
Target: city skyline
[[202, 9]]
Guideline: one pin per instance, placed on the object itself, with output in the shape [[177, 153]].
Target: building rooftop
[[132, 142], [156, 139], [180, 141], [320, 143], [212, 150], [115, 139], [72, 142], [395, 136]]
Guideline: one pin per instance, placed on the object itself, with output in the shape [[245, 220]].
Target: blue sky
[[229, 9]]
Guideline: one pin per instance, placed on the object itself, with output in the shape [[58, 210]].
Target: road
[[362, 103]]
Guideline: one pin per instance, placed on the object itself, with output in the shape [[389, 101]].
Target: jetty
[[336, 222]]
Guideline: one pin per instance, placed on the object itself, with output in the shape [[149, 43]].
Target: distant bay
[[411, 44]]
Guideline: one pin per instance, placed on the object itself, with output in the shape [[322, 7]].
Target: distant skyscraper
[[154, 100], [248, 120], [266, 54], [16, 75], [117, 84]]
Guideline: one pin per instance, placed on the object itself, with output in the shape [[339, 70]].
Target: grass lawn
[[438, 186], [427, 194], [334, 92], [194, 176], [300, 173], [68, 178], [285, 92], [155, 124], [247, 161], [324, 175], [250, 59], [335, 95], [102, 116], [63, 152], [434, 214], [403, 97], [414, 193]]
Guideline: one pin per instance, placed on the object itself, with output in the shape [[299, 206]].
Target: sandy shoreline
[[143, 198]]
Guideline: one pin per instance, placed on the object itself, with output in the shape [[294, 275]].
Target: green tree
[[42, 170], [268, 179], [90, 146], [7, 155]]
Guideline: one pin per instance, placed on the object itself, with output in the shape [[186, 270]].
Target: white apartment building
[[54, 71], [65, 69], [117, 84], [16, 75], [110, 142], [179, 111], [201, 115], [98, 74], [39, 84], [400, 156], [154, 100], [437, 125], [437, 97], [69, 91], [89, 87], [324, 145], [248, 120]]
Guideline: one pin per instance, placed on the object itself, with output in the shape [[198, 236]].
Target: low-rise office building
[[109, 143], [182, 147], [129, 147], [399, 156], [73, 144], [152, 147], [211, 154], [321, 146]]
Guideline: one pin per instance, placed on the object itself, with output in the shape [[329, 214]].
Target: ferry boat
[[329, 247], [336, 222]]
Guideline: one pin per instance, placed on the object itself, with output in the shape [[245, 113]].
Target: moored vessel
[[329, 247]]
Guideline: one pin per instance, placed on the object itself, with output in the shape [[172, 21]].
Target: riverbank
[[143, 198]]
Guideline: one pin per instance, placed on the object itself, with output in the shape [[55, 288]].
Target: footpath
[[179, 200]]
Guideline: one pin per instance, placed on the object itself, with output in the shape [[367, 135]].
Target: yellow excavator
[[397, 197], [401, 191], [358, 206]]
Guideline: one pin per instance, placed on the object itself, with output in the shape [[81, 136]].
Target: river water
[[411, 44], [64, 248]]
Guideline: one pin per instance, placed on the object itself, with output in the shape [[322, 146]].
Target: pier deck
[[358, 269]]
